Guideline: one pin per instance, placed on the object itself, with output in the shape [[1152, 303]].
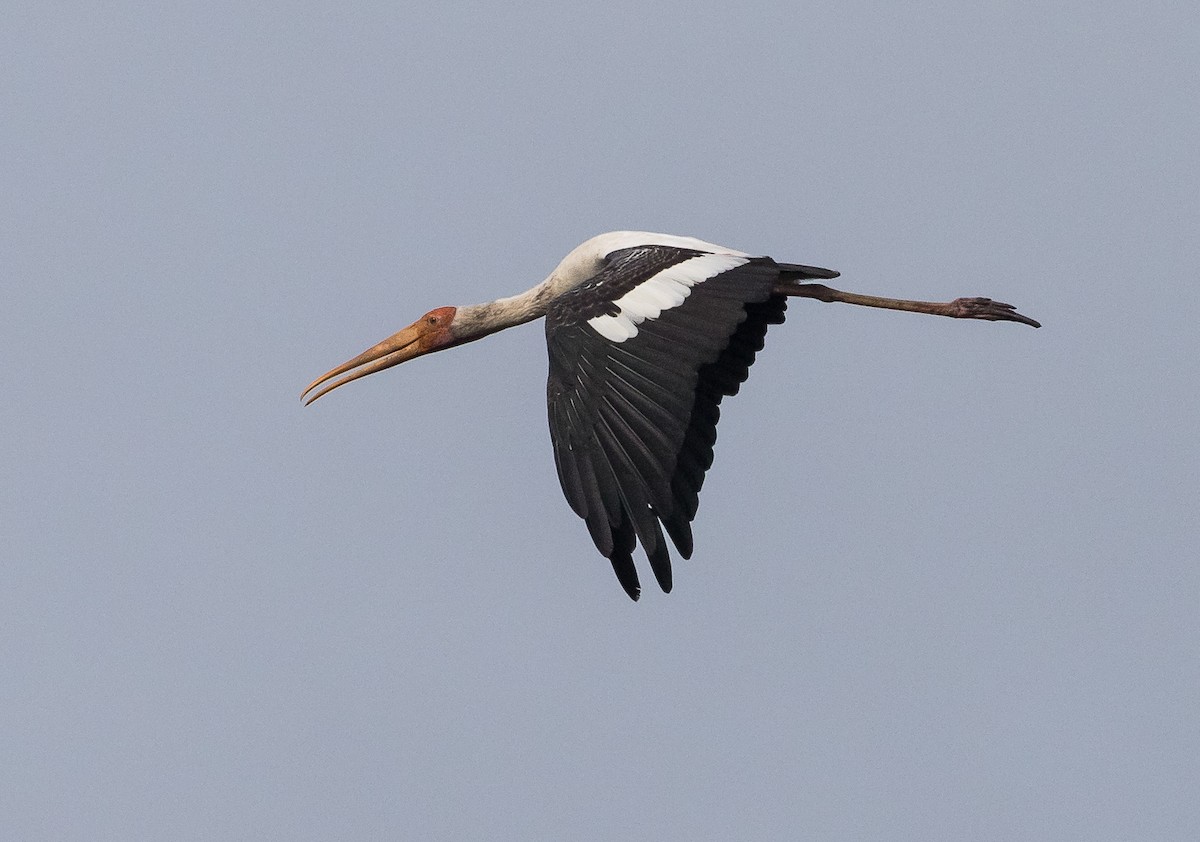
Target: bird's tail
[[800, 272]]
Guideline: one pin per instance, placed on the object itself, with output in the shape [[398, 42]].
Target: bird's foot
[[986, 308]]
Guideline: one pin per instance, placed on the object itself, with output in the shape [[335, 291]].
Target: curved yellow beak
[[394, 350]]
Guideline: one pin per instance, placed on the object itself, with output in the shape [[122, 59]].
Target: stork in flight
[[646, 333]]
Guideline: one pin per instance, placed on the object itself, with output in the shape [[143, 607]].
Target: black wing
[[633, 422]]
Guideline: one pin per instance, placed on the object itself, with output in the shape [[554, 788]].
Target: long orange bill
[[391, 351]]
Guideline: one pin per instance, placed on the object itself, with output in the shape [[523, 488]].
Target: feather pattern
[[633, 412]]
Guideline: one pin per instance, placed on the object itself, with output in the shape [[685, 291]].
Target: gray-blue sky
[[946, 577]]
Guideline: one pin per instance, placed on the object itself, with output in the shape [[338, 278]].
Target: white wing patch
[[664, 291]]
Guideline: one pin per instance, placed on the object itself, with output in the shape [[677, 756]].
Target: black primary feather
[[633, 423]]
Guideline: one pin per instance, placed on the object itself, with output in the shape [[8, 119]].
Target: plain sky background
[[947, 576]]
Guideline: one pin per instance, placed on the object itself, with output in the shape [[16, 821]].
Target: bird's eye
[[433, 320]]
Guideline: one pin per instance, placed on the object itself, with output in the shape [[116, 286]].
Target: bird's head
[[432, 332]]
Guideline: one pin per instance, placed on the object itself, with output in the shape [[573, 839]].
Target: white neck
[[478, 320]]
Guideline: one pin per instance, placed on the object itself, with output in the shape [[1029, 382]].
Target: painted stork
[[646, 334]]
